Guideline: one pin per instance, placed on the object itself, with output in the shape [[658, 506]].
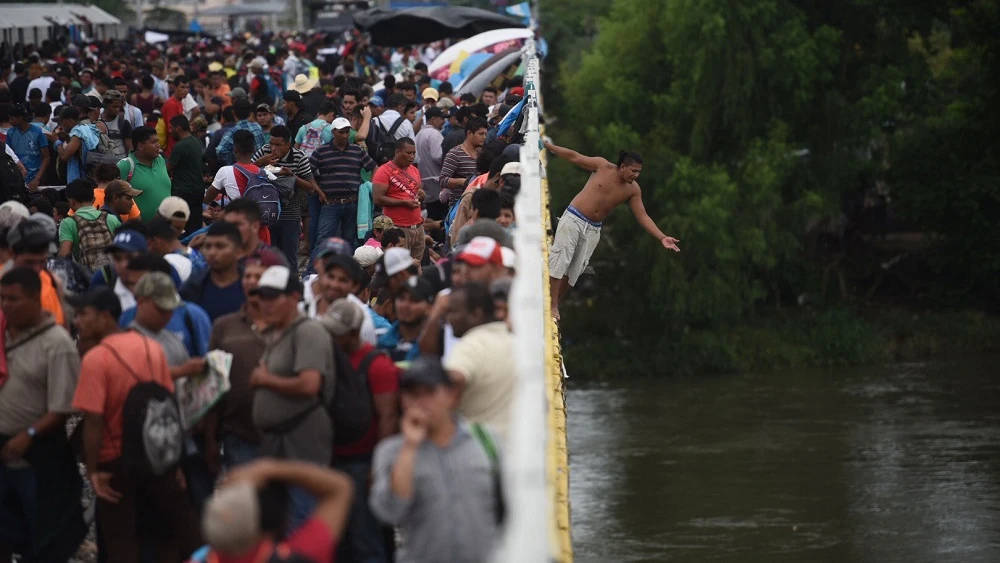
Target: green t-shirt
[[186, 159], [68, 228], [152, 180]]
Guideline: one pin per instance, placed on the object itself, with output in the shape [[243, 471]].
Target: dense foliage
[[761, 119]]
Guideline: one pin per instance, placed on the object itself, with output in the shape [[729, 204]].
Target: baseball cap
[[237, 93], [342, 317], [215, 66], [430, 94], [425, 370], [397, 260], [267, 257], [346, 263], [419, 288], [117, 188], [292, 96], [376, 101], [434, 112], [129, 241], [11, 213], [112, 95], [333, 245], [231, 521], [509, 257], [481, 251], [263, 107], [278, 280], [102, 299], [516, 91], [160, 288], [446, 103], [95, 102], [173, 206], [340, 123], [383, 222], [366, 256], [36, 229], [81, 101], [511, 168]]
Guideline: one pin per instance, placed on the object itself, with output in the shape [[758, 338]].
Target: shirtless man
[[579, 229]]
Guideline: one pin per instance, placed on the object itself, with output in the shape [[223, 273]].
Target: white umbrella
[[477, 43]]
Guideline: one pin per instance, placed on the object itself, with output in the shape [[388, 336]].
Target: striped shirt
[[339, 171], [296, 161], [457, 164]]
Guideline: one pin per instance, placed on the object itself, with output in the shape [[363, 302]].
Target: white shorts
[[573, 246]]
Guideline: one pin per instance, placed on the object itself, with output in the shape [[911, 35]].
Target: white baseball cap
[[397, 260], [340, 123]]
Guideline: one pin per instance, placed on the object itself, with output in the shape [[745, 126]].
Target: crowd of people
[[350, 247]]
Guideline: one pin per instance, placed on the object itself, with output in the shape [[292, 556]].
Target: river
[[888, 464]]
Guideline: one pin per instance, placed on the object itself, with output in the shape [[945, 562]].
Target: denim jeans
[[363, 541], [338, 220], [236, 451], [302, 506], [200, 481], [312, 201], [285, 237]]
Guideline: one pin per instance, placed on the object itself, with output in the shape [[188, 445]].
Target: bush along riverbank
[[801, 339]]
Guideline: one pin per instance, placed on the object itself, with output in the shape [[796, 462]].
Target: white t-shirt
[[42, 83], [225, 182], [485, 357]]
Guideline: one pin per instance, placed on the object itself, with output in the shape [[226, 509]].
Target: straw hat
[[303, 84]]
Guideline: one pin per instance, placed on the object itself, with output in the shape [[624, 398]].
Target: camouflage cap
[[160, 288], [383, 222]]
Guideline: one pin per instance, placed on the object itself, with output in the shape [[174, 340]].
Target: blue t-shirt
[[28, 147], [218, 301], [190, 323], [399, 350]]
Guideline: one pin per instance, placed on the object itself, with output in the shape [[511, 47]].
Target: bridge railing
[[537, 460]]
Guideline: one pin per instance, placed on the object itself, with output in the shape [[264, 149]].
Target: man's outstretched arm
[[592, 163], [639, 210]]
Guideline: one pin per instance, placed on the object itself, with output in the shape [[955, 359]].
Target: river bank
[[804, 338]]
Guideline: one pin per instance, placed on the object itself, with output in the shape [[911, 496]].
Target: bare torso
[[603, 192]]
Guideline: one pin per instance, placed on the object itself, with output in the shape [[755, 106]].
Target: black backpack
[[351, 408], [153, 433], [12, 186], [382, 146]]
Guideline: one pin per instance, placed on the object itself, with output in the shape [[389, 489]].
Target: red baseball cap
[[481, 251]]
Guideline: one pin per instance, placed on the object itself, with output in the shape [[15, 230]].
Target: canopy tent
[[33, 23], [236, 10], [425, 25], [477, 43], [495, 71]]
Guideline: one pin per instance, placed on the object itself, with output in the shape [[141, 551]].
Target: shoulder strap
[[369, 359], [489, 446], [244, 171], [108, 273], [189, 325], [30, 337], [131, 168], [149, 358], [396, 125]]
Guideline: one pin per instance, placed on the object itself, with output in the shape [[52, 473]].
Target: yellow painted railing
[[537, 460]]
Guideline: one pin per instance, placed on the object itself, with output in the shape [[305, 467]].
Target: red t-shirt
[[170, 109], [313, 541], [383, 377], [403, 184], [241, 182]]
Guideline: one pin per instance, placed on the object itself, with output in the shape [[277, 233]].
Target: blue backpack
[[264, 193]]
